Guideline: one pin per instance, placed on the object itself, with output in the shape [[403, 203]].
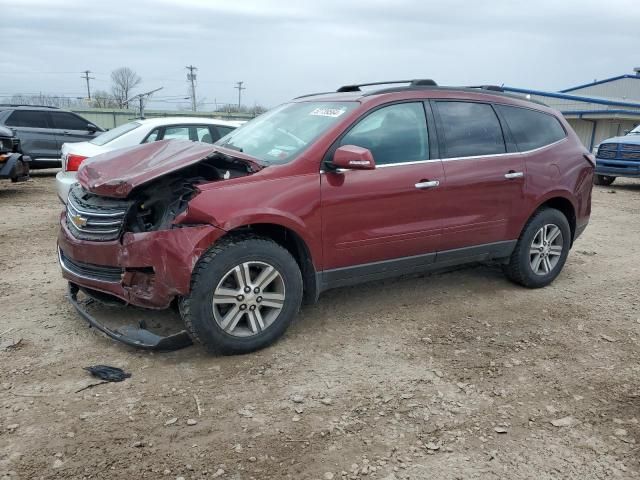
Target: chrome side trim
[[455, 159]]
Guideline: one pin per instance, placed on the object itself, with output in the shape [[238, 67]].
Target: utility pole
[[192, 78], [87, 78], [141, 98], [240, 88]]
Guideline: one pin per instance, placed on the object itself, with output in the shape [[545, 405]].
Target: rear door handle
[[427, 184], [513, 174]]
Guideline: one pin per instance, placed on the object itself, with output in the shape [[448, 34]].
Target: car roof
[[11, 106], [161, 121]]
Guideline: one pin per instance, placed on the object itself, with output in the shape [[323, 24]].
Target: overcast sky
[[281, 49]]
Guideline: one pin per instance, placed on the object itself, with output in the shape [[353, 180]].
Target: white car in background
[[205, 130]]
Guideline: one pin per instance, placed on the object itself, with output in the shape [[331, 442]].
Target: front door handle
[[427, 184], [513, 174]]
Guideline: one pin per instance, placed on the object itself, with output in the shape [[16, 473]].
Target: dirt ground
[[450, 376]]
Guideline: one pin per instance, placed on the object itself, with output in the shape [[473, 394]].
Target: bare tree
[[233, 108], [48, 100], [103, 99], [123, 81]]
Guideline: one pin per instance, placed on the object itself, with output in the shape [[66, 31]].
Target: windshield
[[279, 135], [114, 133], [636, 130]]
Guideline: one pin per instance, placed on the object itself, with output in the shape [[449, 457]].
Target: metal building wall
[[623, 88], [605, 128]]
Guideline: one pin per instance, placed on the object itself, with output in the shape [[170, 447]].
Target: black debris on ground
[[107, 373]]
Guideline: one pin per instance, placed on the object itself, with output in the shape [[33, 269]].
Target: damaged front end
[[127, 235]]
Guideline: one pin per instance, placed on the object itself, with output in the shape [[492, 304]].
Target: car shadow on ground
[[311, 316]]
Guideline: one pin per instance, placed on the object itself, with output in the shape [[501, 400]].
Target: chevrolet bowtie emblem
[[79, 221]]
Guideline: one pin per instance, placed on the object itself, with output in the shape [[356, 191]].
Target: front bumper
[[617, 168], [15, 167], [147, 269], [138, 337], [64, 181]]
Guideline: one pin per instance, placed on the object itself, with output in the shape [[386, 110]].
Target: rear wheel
[[245, 292], [541, 250], [603, 180]]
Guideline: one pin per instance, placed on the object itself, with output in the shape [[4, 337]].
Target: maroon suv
[[325, 191]]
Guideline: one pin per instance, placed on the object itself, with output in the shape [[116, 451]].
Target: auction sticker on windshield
[[328, 112]]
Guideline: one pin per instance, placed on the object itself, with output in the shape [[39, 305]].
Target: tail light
[[74, 161]]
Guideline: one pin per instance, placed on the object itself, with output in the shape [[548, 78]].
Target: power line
[[240, 88], [87, 78], [192, 78]]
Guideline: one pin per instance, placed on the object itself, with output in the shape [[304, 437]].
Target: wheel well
[[296, 246], [566, 207]]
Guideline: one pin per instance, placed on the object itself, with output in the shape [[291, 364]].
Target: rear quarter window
[[531, 129]]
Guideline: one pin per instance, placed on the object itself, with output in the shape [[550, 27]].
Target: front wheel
[[605, 180], [541, 250], [245, 292]]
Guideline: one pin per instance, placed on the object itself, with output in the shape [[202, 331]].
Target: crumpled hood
[[632, 139], [116, 173]]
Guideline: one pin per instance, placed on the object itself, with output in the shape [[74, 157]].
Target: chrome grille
[[91, 217], [619, 151]]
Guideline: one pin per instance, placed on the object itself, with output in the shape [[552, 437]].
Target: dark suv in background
[[43, 130]]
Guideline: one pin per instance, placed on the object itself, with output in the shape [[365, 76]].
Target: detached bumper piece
[[14, 167], [138, 337]]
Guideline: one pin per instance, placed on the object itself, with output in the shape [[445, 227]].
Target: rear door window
[[203, 134], [470, 129], [222, 131], [28, 118], [68, 121], [180, 133], [531, 129]]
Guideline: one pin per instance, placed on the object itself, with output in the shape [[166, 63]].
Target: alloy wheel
[[248, 299], [546, 249]]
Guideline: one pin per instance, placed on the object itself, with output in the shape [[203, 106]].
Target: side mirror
[[92, 128], [352, 157]]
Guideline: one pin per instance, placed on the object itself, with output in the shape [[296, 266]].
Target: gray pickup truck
[[618, 157]]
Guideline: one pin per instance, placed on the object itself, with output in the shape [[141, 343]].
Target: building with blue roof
[[597, 110]]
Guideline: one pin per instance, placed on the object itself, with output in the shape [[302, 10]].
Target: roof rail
[[493, 88], [414, 83], [26, 105]]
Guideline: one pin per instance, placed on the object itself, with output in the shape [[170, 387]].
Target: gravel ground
[[448, 376]]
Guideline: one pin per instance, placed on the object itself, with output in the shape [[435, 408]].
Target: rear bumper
[[148, 270], [15, 167], [617, 168], [64, 181]]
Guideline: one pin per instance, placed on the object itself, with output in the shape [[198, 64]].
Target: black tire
[[519, 269], [197, 309], [604, 180]]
